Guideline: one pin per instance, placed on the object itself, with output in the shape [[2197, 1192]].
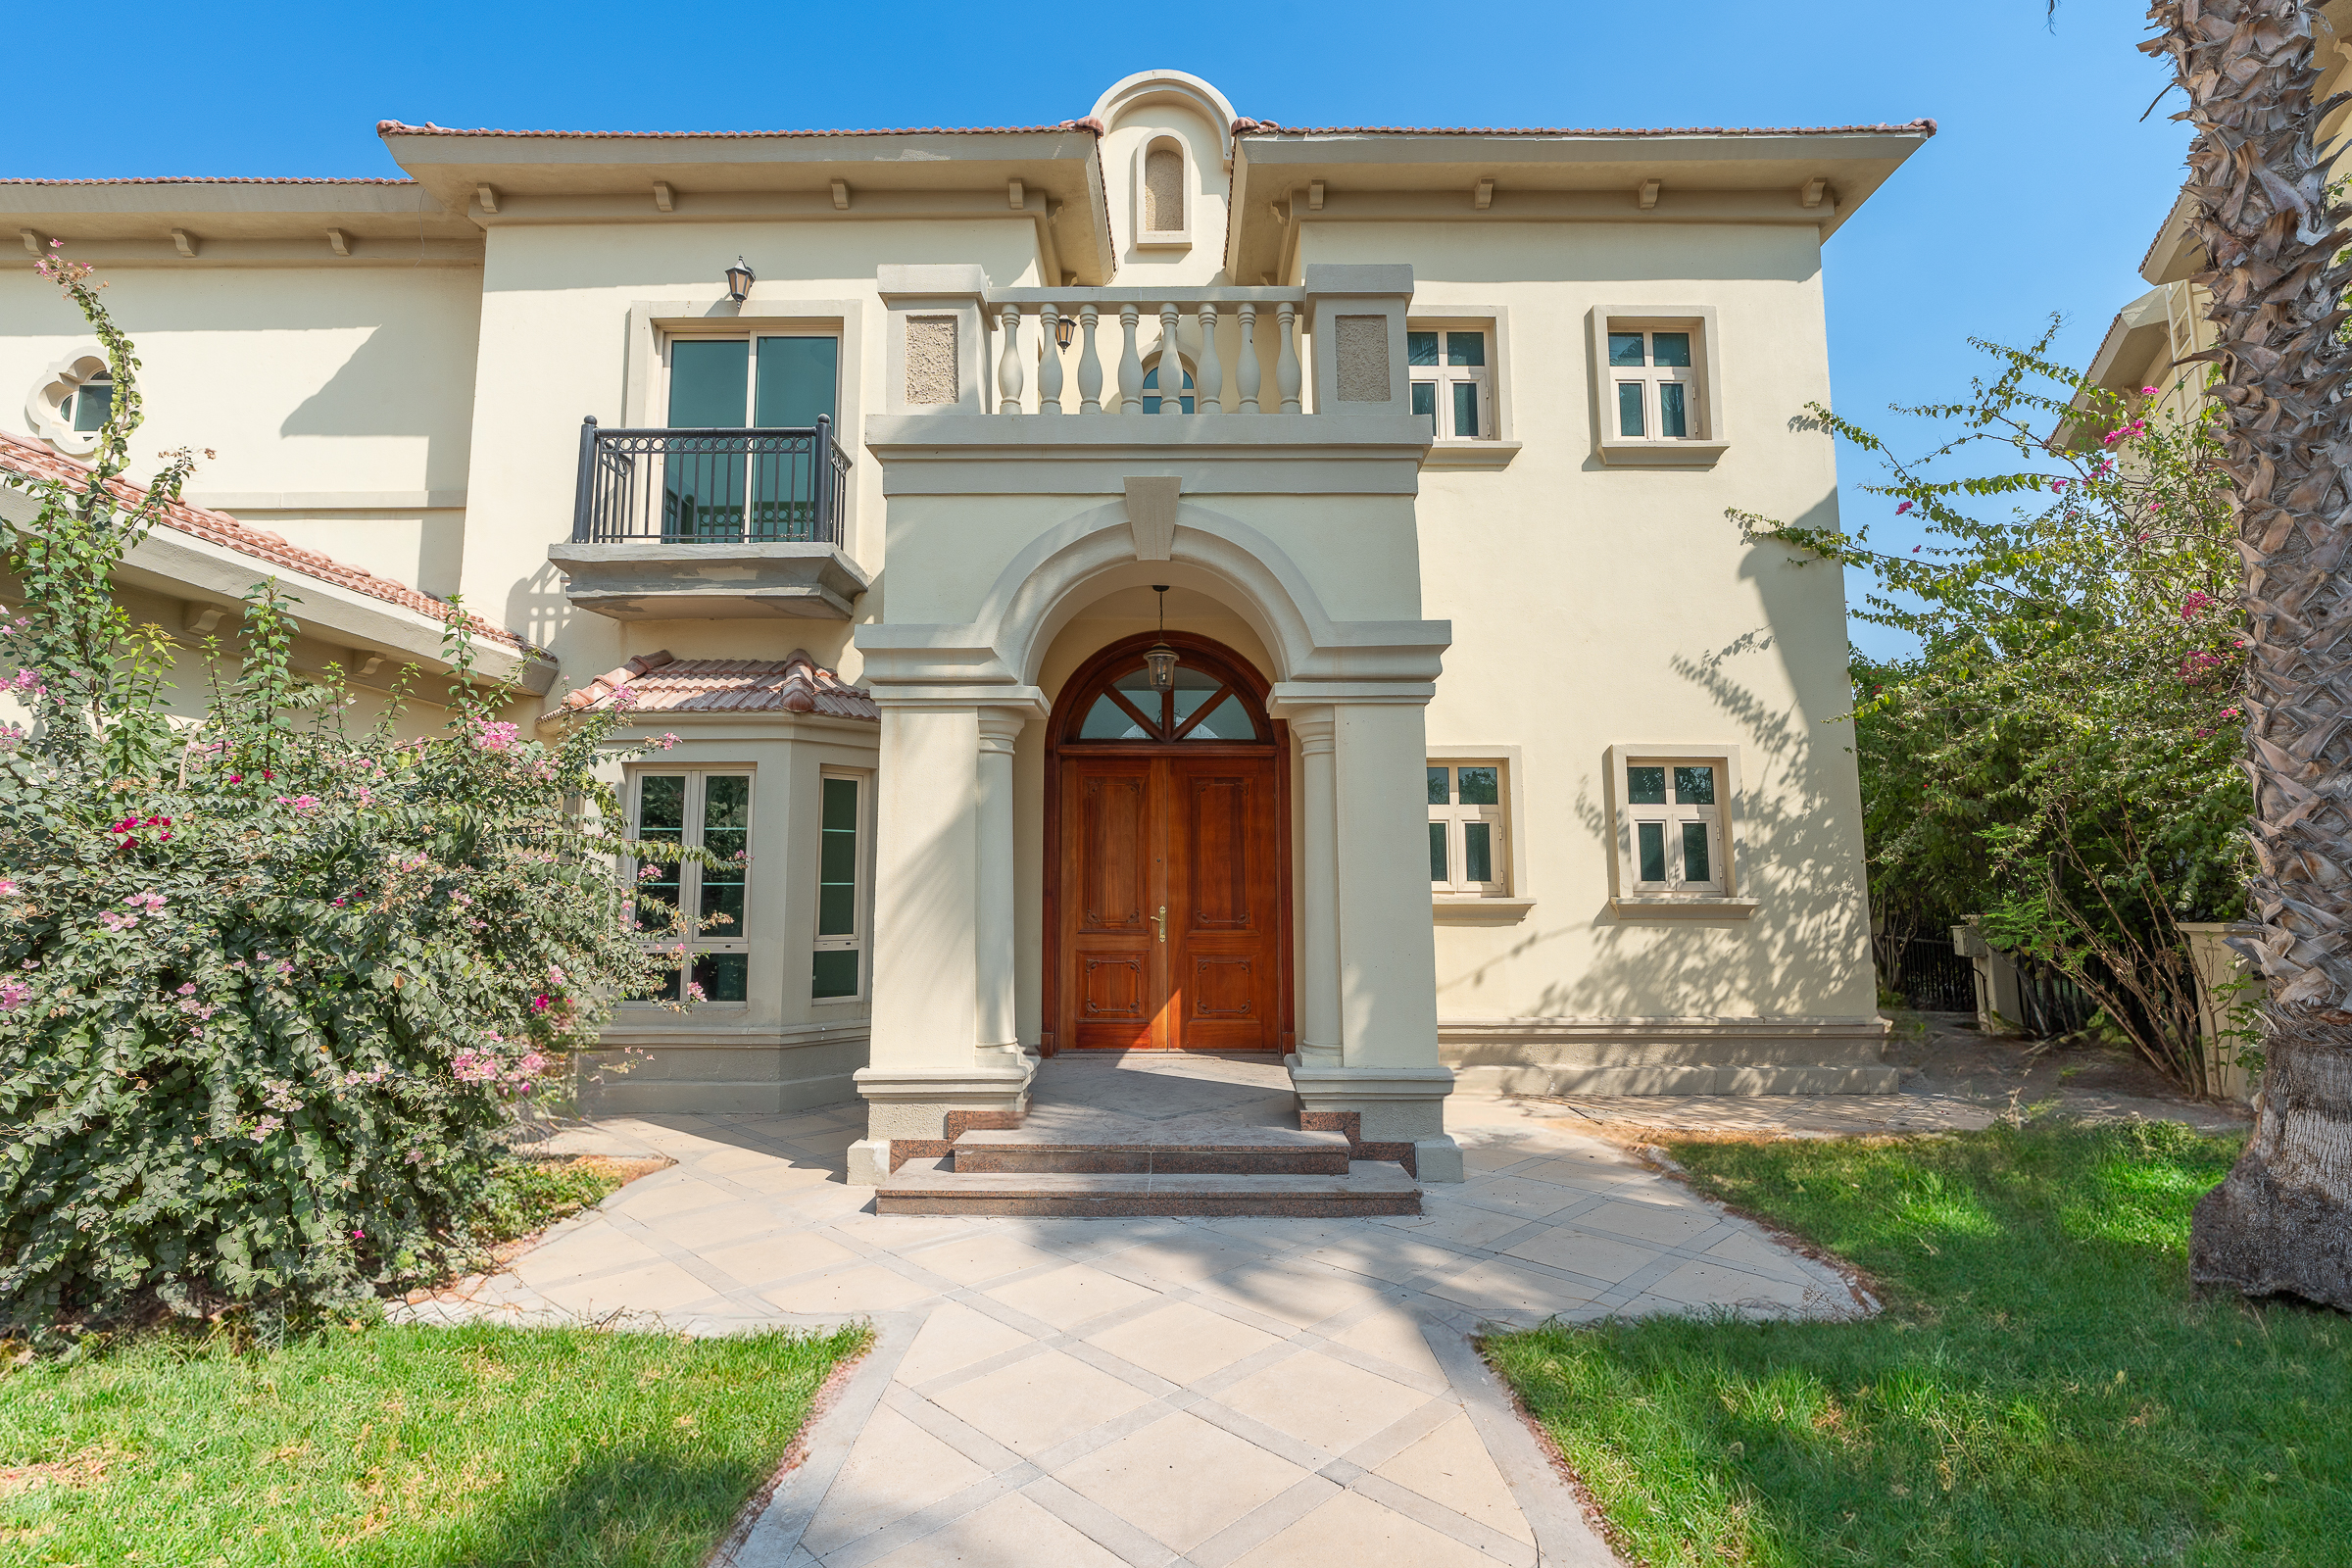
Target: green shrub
[[270, 990]]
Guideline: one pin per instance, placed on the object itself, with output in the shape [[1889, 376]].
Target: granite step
[[1222, 1150], [933, 1187]]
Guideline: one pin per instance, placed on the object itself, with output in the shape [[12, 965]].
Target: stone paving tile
[[1181, 1342], [1180, 1479], [1323, 1401], [1351, 1531], [1451, 1467], [1261, 1391]]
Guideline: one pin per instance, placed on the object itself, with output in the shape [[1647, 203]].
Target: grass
[[376, 1446], [2044, 1389], [401, 1447]]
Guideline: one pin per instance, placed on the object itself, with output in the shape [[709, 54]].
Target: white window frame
[[1181, 238], [751, 335], [49, 406], [727, 939], [1722, 896], [1704, 440], [1497, 447], [1444, 376], [860, 939], [1507, 897]]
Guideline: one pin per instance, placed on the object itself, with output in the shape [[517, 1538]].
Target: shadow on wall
[[379, 390], [1805, 952], [537, 607]]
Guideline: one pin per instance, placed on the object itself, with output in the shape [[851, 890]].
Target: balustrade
[[1201, 331]]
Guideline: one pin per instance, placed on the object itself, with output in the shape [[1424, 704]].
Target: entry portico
[[1294, 535]]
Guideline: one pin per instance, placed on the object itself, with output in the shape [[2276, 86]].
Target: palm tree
[[2273, 233]]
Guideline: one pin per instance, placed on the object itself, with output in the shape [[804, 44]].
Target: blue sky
[[2041, 193]]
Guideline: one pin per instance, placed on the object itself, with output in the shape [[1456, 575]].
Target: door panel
[[1114, 965], [1223, 919], [1168, 904]]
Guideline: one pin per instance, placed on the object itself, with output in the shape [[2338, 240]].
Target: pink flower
[[13, 994], [491, 736], [539, 1004], [9, 889], [2147, 391], [299, 802], [2196, 601], [1901, 509]]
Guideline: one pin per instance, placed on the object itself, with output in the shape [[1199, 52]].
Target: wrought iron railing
[[709, 487]]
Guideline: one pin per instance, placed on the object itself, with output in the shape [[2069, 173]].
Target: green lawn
[[2042, 1391], [403, 1447], [368, 1446]]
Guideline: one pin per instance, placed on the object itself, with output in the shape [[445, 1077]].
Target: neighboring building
[[1428, 434]]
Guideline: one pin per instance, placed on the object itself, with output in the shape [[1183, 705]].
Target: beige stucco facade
[[1427, 565]]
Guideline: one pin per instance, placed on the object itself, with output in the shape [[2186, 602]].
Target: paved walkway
[[1087, 1394]]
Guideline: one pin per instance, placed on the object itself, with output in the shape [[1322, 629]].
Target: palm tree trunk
[[2282, 1220]]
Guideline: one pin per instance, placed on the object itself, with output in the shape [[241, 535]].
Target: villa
[[1164, 580]]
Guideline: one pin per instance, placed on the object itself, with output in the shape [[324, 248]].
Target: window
[[719, 490], [1154, 401], [1676, 848], [1450, 385], [711, 812], [780, 382], [837, 969], [88, 405], [1678, 825], [1468, 825], [1204, 705], [1655, 387]]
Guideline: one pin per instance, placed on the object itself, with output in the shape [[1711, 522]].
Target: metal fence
[[1930, 976], [676, 486]]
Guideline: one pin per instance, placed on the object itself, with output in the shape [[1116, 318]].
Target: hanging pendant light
[[1159, 659]]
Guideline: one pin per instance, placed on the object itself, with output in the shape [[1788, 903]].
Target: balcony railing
[[709, 487], [1208, 324]]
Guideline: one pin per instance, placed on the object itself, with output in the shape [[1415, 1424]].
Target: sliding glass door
[[744, 487]]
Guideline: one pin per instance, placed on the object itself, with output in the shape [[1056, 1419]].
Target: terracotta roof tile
[[658, 683], [1267, 128], [35, 461], [394, 128]]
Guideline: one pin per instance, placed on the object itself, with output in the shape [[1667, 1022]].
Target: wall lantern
[[739, 281], [1160, 660], [1066, 328]]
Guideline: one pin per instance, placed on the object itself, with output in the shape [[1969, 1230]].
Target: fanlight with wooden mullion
[[1204, 705]]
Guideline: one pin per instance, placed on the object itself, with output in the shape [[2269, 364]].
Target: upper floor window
[[89, 404], [1163, 193], [1656, 385], [764, 381], [1451, 383]]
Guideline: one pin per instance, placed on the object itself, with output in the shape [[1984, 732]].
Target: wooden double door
[[1169, 901]]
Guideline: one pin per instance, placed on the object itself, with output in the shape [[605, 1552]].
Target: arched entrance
[[1167, 856]]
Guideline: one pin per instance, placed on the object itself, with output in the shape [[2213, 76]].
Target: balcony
[[676, 524]]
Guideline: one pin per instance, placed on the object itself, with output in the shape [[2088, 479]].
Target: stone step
[[930, 1187], [1199, 1151]]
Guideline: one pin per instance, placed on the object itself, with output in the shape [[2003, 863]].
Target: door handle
[[1161, 921]]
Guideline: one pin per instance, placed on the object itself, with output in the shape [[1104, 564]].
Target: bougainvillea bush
[[2063, 755], [272, 981]]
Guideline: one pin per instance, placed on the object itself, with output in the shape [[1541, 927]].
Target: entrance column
[[1389, 1076], [998, 1036], [1318, 893], [929, 1009]]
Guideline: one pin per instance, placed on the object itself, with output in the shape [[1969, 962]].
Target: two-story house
[[1164, 580]]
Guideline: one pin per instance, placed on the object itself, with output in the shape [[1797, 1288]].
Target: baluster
[[1285, 358], [1009, 363], [1131, 366], [1212, 374], [1049, 363], [1171, 364], [1090, 364], [1251, 370]]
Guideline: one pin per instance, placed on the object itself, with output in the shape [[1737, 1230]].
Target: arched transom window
[[1210, 702]]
